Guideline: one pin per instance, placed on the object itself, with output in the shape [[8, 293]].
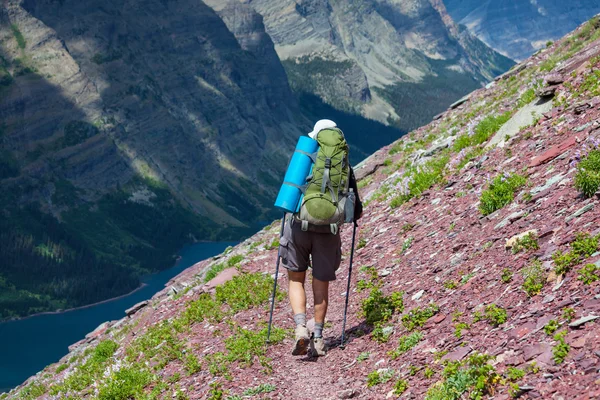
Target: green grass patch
[[21, 42], [588, 274], [482, 132], [474, 377], [582, 247], [405, 343], [204, 308], [417, 317], [493, 314], [526, 243], [561, 350], [527, 97], [534, 278], [419, 179], [500, 192], [587, 178], [381, 376], [245, 291]]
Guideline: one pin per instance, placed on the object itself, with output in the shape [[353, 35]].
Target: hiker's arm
[[358, 207]]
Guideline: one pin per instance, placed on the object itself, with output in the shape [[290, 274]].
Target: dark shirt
[[358, 207]]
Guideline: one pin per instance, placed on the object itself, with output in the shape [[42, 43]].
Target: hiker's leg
[[321, 293], [298, 303], [296, 292]]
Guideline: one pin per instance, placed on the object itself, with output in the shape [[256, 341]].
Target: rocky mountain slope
[[398, 62], [476, 271], [126, 130], [519, 28]]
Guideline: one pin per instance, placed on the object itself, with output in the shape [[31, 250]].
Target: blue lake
[[29, 345]]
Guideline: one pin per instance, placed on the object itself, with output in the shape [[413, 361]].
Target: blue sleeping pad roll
[[295, 178]]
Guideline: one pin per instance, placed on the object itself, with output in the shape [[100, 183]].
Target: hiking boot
[[317, 346], [302, 341]]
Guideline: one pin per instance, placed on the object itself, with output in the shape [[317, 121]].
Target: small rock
[[510, 219], [384, 272], [580, 212], [548, 299], [582, 321], [583, 127], [554, 79], [418, 295], [439, 318], [347, 394], [547, 91], [458, 354], [132, 310]]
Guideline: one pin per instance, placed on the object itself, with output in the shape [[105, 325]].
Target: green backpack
[[326, 195]]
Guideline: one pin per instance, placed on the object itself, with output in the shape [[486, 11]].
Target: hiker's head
[[320, 125]]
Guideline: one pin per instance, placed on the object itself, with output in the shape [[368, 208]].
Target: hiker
[[322, 243]]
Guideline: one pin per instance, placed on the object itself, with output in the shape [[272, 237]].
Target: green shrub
[[32, 391], [262, 388], [377, 377], [582, 247], [417, 317], [459, 327], [500, 192], [379, 308], [564, 261], [419, 179], [246, 345], [405, 343], [473, 376], [527, 242], [204, 308], [534, 278], [551, 327], [568, 314], [585, 245], [400, 387], [561, 350], [495, 315], [514, 374], [587, 178], [588, 274], [125, 384], [381, 333], [507, 275]]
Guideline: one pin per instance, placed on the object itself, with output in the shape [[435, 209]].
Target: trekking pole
[[275, 281], [342, 346]]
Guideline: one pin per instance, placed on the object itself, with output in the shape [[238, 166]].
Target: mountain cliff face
[[398, 62], [127, 129], [476, 271], [519, 28]]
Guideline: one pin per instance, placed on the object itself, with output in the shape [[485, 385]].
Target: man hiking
[[309, 236]]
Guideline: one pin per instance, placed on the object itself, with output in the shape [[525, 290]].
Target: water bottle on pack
[[349, 206]]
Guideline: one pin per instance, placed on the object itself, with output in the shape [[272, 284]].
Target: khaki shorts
[[296, 246]]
